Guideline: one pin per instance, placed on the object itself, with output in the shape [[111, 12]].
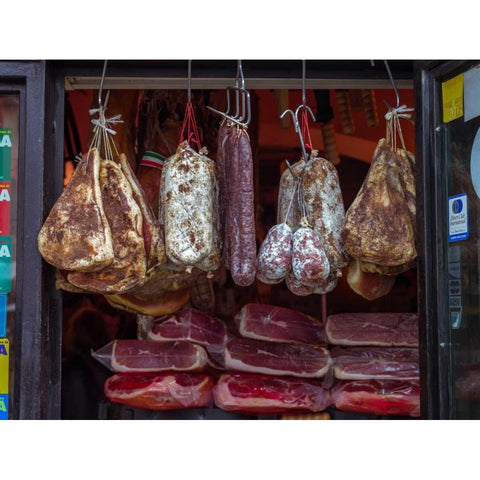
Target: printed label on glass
[[5, 196], [5, 153], [5, 264], [457, 218]]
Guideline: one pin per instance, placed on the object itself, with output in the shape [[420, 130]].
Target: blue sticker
[[3, 407], [457, 218], [3, 315]]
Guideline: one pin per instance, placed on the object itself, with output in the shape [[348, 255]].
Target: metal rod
[[100, 90], [304, 96], [189, 84], [393, 83]]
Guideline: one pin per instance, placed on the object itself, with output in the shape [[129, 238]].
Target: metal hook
[[241, 110], [393, 83], [100, 90], [298, 130]]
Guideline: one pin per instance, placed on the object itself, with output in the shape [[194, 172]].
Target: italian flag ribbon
[[152, 159]]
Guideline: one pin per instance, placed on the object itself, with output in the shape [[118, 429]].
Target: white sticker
[[471, 93], [455, 317], [454, 269], [475, 163], [457, 218]]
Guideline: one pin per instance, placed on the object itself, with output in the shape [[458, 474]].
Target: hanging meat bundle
[[380, 224], [305, 248], [101, 233]]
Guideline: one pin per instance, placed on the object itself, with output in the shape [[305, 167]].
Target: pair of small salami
[[305, 247]]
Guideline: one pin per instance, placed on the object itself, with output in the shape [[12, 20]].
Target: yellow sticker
[[452, 98], [3, 365]]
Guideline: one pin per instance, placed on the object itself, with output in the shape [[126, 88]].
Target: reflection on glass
[[462, 308]]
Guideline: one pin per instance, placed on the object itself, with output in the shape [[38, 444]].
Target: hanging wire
[[103, 131]]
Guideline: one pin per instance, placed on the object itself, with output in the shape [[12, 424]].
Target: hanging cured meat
[[378, 226], [76, 234], [126, 224], [188, 198], [324, 208], [154, 246], [369, 285], [158, 302], [381, 222], [250, 393], [161, 391], [235, 170]]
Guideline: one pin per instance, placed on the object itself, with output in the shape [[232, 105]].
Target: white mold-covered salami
[[275, 254], [186, 197], [297, 287], [324, 208], [288, 197], [327, 285], [309, 262]]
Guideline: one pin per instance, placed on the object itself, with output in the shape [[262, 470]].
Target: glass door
[[459, 112]]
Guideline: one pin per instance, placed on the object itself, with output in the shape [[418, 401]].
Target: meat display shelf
[[114, 411]]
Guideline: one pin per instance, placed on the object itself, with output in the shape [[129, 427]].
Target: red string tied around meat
[[189, 127], [305, 129]]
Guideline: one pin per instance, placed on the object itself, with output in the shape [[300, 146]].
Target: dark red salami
[[243, 247]]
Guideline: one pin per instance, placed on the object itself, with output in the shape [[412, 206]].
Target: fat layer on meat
[[154, 244], [76, 234]]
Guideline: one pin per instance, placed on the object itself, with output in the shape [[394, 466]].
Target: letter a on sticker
[[4, 195], [3, 350], [6, 142], [4, 251]]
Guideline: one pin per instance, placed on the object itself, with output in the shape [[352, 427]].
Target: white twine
[[103, 131], [393, 117]]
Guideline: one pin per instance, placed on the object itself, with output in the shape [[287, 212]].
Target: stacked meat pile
[[275, 360], [167, 369], [276, 363], [375, 362]]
